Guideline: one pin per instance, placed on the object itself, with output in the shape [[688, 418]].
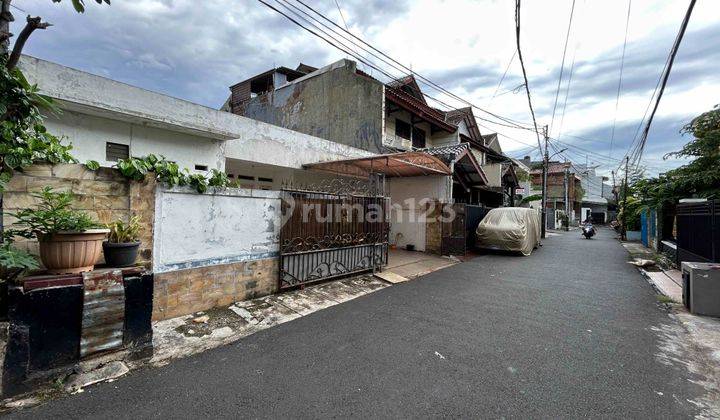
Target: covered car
[[510, 229]]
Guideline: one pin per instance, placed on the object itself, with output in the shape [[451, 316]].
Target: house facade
[[594, 201], [345, 105], [562, 181]]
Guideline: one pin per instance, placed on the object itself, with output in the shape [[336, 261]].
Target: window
[[201, 167], [246, 177], [402, 129], [418, 138], [116, 151], [265, 179]]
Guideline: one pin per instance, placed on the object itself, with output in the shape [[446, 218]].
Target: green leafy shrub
[[14, 262], [52, 215], [24, 140], [121, 232], [169, 173]]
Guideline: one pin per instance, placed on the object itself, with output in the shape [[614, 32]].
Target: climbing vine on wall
[[169, 173]]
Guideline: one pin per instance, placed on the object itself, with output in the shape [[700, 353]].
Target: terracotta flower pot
[[71, 252]]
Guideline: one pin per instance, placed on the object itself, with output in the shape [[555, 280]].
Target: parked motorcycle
[[588, 230]]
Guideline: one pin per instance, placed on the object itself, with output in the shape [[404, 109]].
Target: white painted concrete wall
[[408, 209], [272, 145], [95, 108], [89, 134], [196, 230]]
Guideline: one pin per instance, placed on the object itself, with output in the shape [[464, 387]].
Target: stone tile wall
[[183, 292], [142, 203], [433, 228], [104, 194]]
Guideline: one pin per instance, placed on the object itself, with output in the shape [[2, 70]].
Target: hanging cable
[[622, 65], [562, 65], [409, 70], [503, 76], [522, 65], [673, 53], [344, 48]]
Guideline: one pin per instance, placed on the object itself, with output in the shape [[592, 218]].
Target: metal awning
[[391, 165]]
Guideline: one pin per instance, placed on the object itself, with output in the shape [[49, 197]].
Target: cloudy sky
[[194, 50]]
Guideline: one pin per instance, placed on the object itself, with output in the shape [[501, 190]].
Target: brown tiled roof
[[456, 115], [414, 105], [553, 168]]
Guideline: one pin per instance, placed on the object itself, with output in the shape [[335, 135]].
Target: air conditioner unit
[[701, 288]]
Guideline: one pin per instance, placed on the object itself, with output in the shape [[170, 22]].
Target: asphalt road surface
[[569, 331]]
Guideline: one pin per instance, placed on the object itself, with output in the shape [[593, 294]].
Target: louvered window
[[116, 151]]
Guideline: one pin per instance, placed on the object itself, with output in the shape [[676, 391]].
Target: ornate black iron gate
[[332, 229]]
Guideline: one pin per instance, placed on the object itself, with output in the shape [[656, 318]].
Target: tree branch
[[5, 18], [32, 24]]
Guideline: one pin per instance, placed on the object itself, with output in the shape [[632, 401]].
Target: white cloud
[[195, 50]]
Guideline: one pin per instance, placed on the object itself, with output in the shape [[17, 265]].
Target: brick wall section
[[142, 203], [103, 194], [433, 228], [183, 292]]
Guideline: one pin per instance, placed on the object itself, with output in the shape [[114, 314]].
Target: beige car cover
[[510, 229]]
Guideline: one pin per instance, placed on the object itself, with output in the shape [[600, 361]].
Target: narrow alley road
[[572, 330]]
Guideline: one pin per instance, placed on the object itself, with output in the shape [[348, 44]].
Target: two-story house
[[393, 121], [345, 105]]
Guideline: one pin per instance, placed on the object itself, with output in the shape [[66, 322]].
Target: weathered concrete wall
[[97, 110], [493, 171], [95, 95], [272, 145], [89, 134], [213, 249], [409, 198], [195, 230], [334, 103]]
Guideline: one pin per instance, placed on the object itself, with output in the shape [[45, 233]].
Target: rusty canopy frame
[[391, 165]]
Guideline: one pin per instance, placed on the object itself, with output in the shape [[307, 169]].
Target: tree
[[32, 24], [24, 139], [698, 179]]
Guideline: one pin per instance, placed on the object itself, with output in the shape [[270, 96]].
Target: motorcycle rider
[[588, 223]]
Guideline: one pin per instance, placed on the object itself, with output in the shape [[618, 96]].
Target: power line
[[359, 58], [343, 47], [562, 64], [342, 16], [673, 53], [423, 78], [637, 144], [622, 65], [522, 65], [567, 90], [503, 75]]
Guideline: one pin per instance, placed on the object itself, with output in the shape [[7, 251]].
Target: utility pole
[[567, 196], [546, 158], [614, 189], [623, 231]]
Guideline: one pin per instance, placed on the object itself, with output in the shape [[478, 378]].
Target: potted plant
[[121, 248], [70, 240]]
